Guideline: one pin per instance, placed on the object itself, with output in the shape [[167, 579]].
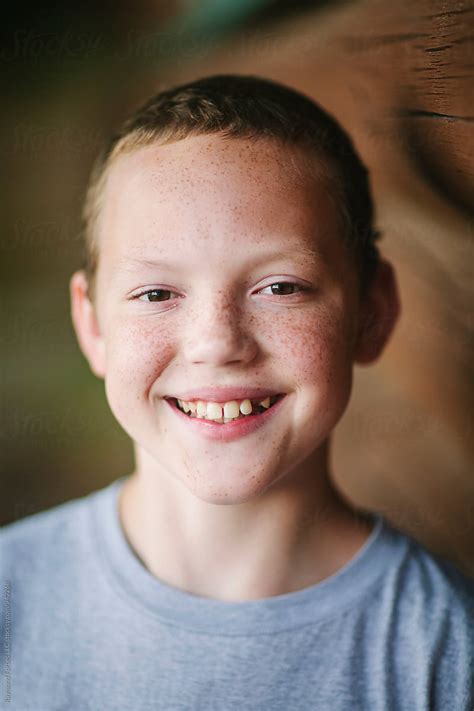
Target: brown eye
[[283, 288], [156, 295]]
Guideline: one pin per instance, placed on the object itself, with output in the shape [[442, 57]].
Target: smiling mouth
[[224, 414]]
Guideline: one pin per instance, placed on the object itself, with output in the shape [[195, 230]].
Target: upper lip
[[225, 394]]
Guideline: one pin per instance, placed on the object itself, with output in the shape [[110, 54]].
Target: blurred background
[[399, 78]]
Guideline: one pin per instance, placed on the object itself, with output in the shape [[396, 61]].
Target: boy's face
[[213, 223]]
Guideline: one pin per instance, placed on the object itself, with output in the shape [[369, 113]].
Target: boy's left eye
[[279, 288], [286, 286]]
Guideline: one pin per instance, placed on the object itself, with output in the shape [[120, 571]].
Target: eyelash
[[169, 291]]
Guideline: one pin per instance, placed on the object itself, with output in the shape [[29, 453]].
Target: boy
[[232, 282]]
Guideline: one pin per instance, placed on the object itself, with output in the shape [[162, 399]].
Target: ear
[[86, 324], [379, 312]]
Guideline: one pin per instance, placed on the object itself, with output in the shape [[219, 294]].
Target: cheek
[[136, 354], [314, 345], [318, 364]]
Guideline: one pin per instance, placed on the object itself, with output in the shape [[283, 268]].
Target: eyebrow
[[132, 264]]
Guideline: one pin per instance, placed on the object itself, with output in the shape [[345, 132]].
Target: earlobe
[[379, 314], [86, 324]]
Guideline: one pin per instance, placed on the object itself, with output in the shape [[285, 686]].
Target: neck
[[294, 535]]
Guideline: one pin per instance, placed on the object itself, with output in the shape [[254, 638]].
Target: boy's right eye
[[154, 295]]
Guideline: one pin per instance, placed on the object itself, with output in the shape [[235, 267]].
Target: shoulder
[[41, 520], [426, 584], [45, 540], [429, 611], [434, 584]]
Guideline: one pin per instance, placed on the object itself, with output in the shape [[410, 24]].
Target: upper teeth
[[217, 411]]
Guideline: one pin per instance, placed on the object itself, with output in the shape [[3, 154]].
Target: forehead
[[215, 196]]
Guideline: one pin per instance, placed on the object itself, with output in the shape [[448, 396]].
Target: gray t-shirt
[[86, 626]]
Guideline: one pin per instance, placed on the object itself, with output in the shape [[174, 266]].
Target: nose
[[218, 333]]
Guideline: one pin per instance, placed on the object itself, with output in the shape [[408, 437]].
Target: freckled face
[[212, 224]]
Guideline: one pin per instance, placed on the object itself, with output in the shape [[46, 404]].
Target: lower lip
[[231, 430]]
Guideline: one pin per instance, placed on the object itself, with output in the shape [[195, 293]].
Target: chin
[[238, 489]]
